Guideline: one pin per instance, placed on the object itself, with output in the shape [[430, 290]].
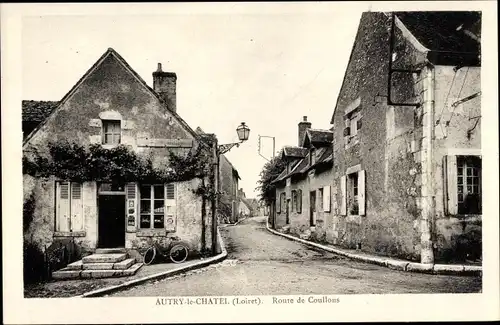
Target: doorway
[[111, 221]]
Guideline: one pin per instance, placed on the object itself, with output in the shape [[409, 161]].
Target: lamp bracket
[[223, 148]]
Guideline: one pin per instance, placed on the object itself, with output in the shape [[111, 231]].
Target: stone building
[[112, 105], [406, 175], [303, 189]]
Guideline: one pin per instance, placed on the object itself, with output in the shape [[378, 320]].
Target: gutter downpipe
[[428, 213]]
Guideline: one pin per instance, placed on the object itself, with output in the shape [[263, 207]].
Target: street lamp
[[243, 132]]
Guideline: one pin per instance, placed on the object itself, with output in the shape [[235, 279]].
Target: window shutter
[[76, 207], [171, 209], [131, 193], [326, 199], [343, 202], [278, 203], [362, 192], [63, 213], [451, 184]]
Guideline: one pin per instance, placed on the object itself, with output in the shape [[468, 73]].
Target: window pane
[[159, 206], [116, 139], [145, 221], [469, 171], [145, 191], [475, 189], [107, 138], [159, 221], [145, 206], [159, 191], [460, 171], [460, 189], [469, 180], [460, 197], [469, 189], [460, 180], [474, 171]]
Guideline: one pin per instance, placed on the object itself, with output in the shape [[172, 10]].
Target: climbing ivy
[[74, 162]]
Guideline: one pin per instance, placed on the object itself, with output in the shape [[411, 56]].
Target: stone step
[[75, 265], [98, 266], [132, 270], [125, 264], [104, 258], [110, 250], [66, 274]]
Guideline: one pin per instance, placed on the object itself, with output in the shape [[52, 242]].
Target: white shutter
[[131, 208], [326, 199], [63, 213], [170, 207], [343, 192], [362, 192], [451, 185], [76, 207]]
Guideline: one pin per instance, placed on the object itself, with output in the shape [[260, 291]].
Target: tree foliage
[[270, 172]]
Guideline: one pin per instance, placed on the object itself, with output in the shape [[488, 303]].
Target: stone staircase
[[105, 263]]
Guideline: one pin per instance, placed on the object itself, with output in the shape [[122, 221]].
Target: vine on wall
[[74, 162]]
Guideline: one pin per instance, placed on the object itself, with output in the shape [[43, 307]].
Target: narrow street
[[260, 263]]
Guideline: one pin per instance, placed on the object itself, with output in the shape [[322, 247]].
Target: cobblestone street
[[260, 263]]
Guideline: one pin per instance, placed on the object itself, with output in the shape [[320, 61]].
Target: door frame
[[312, 208], [110, 193]]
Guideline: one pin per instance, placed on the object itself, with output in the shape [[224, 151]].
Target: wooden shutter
[[63, 207], [326, 199], [76, 207], [362, 192], [278, 203], [131, 208], [451, 185], [343, 200], [170, 207]]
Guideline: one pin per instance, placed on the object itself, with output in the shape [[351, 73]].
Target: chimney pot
[[159, 68], [305, 118]]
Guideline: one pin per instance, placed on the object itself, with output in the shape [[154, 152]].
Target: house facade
[[303, 189], [112, 106], [406, 174]]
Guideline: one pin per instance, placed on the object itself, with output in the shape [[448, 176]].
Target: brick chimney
[[303, 126], [165, 83]]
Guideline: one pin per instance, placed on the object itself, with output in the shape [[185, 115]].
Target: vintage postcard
[[247, 162]]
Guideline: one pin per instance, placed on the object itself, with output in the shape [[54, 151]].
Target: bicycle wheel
[[178, 253], [150, 255]]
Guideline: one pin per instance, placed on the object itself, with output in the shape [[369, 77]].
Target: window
[[464, 184], [352, 187], [69, 207], [153, 206], [352, 126], [299, 201], [111, 131]]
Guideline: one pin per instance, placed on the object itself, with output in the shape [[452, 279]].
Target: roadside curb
[[448, 269], [165, 274], [237, 222]]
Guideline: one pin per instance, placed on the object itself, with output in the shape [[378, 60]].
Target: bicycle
[[177, 253]]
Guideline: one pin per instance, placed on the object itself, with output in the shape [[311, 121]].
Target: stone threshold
[[160, 275], [401, 265]]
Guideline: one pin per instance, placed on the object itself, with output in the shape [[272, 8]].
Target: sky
[[267, 69]]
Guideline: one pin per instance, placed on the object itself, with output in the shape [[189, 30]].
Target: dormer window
[[111, 131]]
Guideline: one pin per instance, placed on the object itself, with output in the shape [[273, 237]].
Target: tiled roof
[[319, 136], [295, 151], [443, 30], [37, 110], [325, 155]]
